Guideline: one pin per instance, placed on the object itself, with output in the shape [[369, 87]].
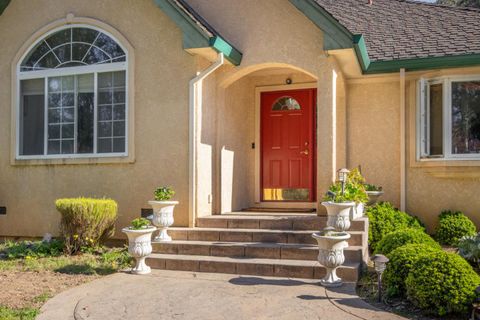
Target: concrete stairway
[[257, 244]]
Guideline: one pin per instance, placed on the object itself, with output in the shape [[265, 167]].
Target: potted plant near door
[[355, 178], [330, 253], [341, 198], [140, 243], [374, 193], [163, 211]]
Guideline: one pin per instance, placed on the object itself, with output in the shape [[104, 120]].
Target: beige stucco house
[[235, 104]]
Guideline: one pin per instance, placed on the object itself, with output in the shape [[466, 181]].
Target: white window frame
[[423, 121], [72, 71]]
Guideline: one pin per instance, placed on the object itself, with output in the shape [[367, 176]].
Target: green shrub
[[164, 193], [469, 249], [32, 249], [401, 261], [399, 238], [139, 223], [441, 283], [86, 223], [452, 226], [384, 218]]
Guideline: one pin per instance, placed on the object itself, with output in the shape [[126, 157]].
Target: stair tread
[[237, 216], [250, 244], [231, 230], [300, 263]]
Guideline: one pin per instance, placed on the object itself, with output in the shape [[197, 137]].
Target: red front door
[[288, 145]]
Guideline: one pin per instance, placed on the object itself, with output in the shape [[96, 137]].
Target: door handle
[[305, 152]]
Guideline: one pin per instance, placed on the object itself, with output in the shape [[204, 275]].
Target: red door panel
[[288, 145]]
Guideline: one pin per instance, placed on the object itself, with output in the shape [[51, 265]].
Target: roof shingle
[[403, 29]]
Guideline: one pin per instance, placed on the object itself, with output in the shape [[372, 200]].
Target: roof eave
[[196, 37]]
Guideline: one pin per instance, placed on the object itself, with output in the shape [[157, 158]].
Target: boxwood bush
[[85, 222], [441, 283], [453, 226], [402, 237], [385, 218], [401, 261]]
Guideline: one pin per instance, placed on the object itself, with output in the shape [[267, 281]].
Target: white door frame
[[258, 92]]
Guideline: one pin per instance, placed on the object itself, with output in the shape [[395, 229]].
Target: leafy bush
[[441, 283], [86, 222], [139, 223], [469, 248], [384, 218], [453, 226], [164, 193], [32, 249], [372, 187], [401, 261], [399, 238], [354, 189]]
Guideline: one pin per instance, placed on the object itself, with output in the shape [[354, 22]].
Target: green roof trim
[[194, 36], [336, 36], [3, 5]]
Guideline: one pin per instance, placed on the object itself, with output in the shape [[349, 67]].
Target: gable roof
[[400, 29]]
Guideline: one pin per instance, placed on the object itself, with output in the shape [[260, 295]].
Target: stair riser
[[271, 237], [250, 252], [307, 272], [283, 224]]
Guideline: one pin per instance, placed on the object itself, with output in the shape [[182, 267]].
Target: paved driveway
[[187, 295]]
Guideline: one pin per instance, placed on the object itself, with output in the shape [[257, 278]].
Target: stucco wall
[[373, 139], [162, 72]]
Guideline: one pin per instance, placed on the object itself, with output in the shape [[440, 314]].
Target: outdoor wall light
[[476, 305], [380, 264], [342, 177]]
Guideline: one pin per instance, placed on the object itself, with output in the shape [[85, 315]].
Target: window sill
[[451, 169], [68, 161]]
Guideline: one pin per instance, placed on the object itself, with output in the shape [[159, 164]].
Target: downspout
[[195, 103], [403, 164]]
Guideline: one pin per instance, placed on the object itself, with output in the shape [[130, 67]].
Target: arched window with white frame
[[72, 95]]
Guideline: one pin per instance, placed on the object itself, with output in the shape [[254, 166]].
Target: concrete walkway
[[187, 295]]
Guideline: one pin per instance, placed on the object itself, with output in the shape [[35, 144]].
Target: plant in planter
[[140, 243], [330, 254], [374, 193], [341, 198], [163, 211]]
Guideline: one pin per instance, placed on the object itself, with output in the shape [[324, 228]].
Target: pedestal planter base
[[163, 218], [140, 247], [330, 255]]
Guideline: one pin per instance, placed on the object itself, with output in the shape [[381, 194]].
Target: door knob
[[305, 152]]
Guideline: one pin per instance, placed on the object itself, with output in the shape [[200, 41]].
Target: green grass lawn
[[49, 260]]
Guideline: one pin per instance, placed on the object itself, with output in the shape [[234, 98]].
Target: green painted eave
[[467, 60], [196, 37], [3, 5], [336, 36]]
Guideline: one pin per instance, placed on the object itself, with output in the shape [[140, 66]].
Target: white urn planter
[[338, 214], [373, 197], [163, 217], [357, 211], [330, 254], [140, 247]]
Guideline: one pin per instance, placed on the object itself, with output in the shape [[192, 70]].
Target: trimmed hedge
[[402, 237], [442, 283], [401, 261], [385, 218], [85, 222], [453, 226]]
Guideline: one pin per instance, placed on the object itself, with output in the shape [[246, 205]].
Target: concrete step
[[358, 238], [273, 222], [260, 250], [250, 266]]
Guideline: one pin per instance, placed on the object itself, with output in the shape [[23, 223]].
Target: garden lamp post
[[380, 264], [476, 305], [342, 177]]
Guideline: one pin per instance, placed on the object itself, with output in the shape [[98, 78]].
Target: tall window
[[449, 123], [73, 96]]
